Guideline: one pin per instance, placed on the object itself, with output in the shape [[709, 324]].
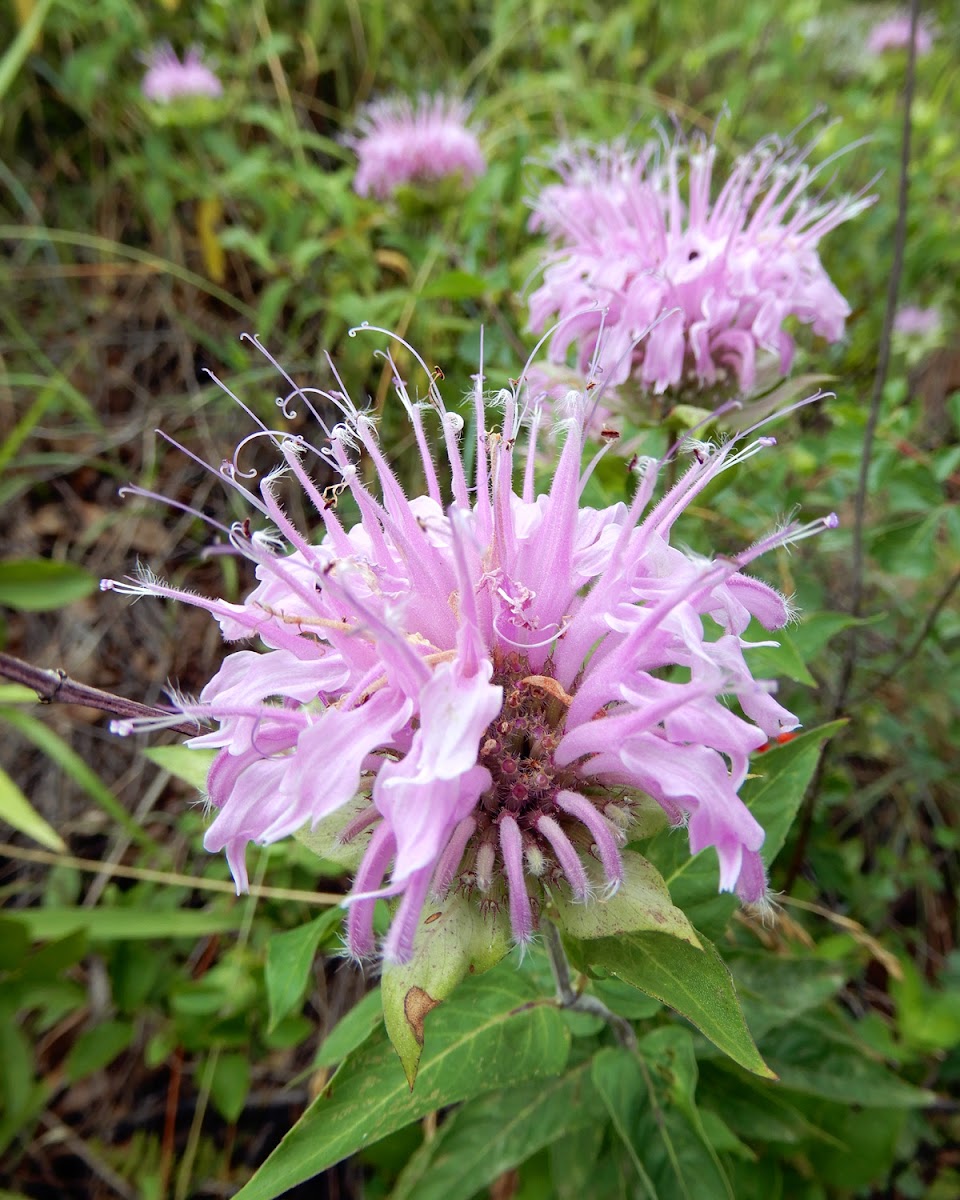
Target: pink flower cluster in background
[[893, 33], [914, 321], [489, 685], [400, 141], [168, 79], [678, 282]]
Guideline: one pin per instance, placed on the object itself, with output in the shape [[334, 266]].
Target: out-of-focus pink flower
[[916, 321], [489, 684], [168, 79], [893, 33], [400, 141], [690, 287]]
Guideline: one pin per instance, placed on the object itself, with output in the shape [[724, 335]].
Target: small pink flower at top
[[659, 273], [400, 141], [915, 321], [893, 33], [168, 79]]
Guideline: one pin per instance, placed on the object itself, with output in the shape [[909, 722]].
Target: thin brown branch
[[848, 662], [56, 686], [946, 595]]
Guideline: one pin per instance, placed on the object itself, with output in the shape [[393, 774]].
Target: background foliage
[[159, 1035]]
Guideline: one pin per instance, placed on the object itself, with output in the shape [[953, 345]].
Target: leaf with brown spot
[[416, 1004], [454, 939]]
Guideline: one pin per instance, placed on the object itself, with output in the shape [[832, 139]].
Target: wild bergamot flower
[[482, 686], [168, 79], [694, 282], [400, 141]]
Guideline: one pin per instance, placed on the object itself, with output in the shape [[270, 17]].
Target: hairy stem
[[569, 997]]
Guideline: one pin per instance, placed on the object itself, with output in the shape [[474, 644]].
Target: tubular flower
[[690, 289], [486, 685], [399, 141], [168, 79]]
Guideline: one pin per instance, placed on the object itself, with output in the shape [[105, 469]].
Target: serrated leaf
[[42, 585], [192, 766], [641, 902], [453, 938], [17, 811], [495, 1133], [695, 983], [490, 1034], [290, 956]]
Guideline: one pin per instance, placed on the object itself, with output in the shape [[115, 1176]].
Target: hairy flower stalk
[[489, 685], [641, 234]]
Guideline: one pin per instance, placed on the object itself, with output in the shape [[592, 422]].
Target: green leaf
[[575, 1162], [775, 662], [115, 924], [192, 766], [14, 943], [229, 1083], [775, 991], [754, 1111], [621, 1086], [17, 811], [20, 1099], [42, 585], [641, 902], [773, 796], [73, 765], [695, 983], [455, 285], [806, 1060], [675, 1158], [784, 772], [490, 1034], [351, 1030], [454, 938], [495, 1133], [290, 956], [97, 1047]]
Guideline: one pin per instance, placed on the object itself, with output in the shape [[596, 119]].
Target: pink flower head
[[893, 33], [679, 288], [399, 141], [168, 79], [913, 321], [486, 683]]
